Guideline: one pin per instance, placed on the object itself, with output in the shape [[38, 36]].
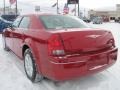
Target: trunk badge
[[93, 36]]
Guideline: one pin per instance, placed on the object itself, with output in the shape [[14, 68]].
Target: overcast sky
[[46, 4], [83, 3]]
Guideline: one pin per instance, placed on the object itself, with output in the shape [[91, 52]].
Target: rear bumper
[[82, 65]]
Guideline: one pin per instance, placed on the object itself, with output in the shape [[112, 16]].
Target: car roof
[[37, 14], [9, 17], [42, 14], [6, 21]]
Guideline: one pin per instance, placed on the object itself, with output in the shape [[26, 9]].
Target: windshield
[[61, 22]]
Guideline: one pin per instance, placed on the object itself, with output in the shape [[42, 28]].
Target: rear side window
[[17, 22], [25, 22], [61, 22]]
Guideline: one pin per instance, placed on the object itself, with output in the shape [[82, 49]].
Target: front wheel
[[30, 67]]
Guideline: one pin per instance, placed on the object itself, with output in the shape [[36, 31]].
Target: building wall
[[118, 7], [118, 10], [115, 14]]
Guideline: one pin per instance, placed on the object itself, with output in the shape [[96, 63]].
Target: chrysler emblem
[[93, 36]]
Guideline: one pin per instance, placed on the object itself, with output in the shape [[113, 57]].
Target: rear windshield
[[62, 22]]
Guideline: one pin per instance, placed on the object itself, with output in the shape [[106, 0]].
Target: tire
[[4, 44], [30, 67]]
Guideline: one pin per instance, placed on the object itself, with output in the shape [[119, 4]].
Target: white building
[[111, 13]]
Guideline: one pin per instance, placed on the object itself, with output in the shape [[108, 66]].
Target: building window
[[112, 18]]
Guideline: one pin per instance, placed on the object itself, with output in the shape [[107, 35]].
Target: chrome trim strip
[[83, 61], [96, 67]]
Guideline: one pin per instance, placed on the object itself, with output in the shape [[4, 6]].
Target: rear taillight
[[55, 46]]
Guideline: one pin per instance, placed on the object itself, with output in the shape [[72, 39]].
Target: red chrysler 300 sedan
[[59, 47]]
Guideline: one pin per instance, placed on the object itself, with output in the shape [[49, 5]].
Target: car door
[[9, 33], [18, 35]]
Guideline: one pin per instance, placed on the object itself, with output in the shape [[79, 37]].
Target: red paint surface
[[84, 54]]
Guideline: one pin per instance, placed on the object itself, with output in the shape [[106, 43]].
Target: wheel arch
[[30, 43], [26, 45], [24, 48]]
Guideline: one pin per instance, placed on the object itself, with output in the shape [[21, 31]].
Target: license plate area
[[97, 61]]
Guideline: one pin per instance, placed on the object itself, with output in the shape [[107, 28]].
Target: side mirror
[[11, 26]]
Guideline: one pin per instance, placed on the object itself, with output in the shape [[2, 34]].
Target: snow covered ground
[[12, 75]]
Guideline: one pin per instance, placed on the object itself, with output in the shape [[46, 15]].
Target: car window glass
[[17, 22], [25, 22], [61, 22]]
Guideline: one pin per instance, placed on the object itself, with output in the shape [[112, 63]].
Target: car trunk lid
[[81, 41]]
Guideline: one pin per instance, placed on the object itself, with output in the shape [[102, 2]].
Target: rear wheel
[[30, 67], [4, 43]]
